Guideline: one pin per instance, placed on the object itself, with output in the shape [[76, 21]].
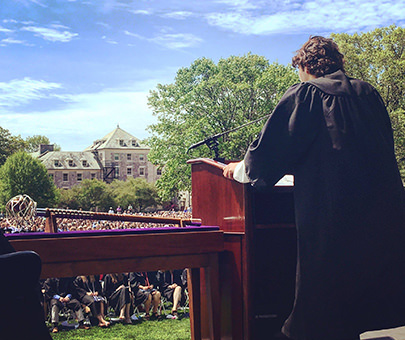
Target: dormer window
[[134, 143], [71, 162], [121, 142], [56, 163], [84, 163]]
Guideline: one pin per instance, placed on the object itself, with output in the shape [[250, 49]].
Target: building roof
[[117, 139], [70, 160]]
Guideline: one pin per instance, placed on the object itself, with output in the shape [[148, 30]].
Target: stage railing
[[52, 214], [190, 245]]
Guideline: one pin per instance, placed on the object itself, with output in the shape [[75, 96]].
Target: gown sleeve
[[285, 137]]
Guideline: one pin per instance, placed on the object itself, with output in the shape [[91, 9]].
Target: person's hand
[[120, 287], [229, 170]]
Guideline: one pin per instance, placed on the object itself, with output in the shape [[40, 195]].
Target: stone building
[[68, 168], [118, 155]]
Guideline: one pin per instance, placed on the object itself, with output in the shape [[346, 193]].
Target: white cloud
[[176, 41], [39, 3], [22, 91], [171, 40], [12, 41], [180, 15], [108, 40], [141, 12], [242, 4], [6, 21], [51, 34], [305, 17], [87, 118], [84, 117], [5, 30]]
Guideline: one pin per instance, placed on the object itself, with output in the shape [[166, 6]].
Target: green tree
[[9, 144], [33, 143], [91, 194], [398, 126], [136, 192], [23, 174], [378, 57], [206, 99], [68, 198]]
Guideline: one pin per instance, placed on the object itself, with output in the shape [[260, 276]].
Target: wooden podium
[[257, 268]]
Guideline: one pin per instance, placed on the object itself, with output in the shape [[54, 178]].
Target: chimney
[[44, 148]]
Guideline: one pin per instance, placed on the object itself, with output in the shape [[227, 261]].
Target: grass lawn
[[165, 329]]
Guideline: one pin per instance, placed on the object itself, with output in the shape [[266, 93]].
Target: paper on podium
[[287, 180]]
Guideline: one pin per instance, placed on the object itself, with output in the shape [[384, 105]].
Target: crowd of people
[[115, 296], [69, 224]]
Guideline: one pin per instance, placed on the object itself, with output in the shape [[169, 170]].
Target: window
[[129, 171], [65, 177], [159, 172], [117, 156], [79, 177], [84, 162], [128, 156], [141, 171], [116, 172], [56, 163], [121, 142], [134, 143], [141, 157], [71, 162], [51, 176], [92, 175]]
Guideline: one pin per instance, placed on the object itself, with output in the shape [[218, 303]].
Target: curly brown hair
[[320, 56]]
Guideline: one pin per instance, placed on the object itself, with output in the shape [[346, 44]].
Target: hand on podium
[[230, 169]]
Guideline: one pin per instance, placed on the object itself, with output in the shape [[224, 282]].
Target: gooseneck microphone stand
[[212, 142]]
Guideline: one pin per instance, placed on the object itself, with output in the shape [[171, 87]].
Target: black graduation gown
[[117, 299], [135, 280], [334, 135], [167, 278], [5, 246]]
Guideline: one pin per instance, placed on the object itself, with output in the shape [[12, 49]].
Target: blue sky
[[73, 69]]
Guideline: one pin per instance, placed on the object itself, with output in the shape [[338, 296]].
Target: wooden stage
[[70, 254]]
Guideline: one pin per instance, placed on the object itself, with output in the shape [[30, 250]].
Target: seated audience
[[59, 294], [118, 294], [145, 293], [89, 293], [172, 288]]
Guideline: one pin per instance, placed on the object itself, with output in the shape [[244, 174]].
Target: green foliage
[[398, 126], [206, 99], [33, 143], [9, 144], [23, 174], [378, 57], [91, 194], [136, 192], [96, 195], [68, 198]]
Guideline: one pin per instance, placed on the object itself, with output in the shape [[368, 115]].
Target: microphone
[[212, 141], [207, 141]]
